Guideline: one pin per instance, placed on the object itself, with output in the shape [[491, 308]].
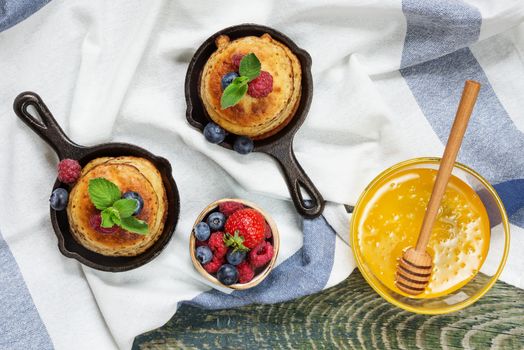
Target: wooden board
[[348, 316]]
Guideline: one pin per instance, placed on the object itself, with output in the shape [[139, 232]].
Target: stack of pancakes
[[129, 174], [254, 117]]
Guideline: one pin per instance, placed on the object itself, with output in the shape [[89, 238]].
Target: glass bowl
[[489, 272]]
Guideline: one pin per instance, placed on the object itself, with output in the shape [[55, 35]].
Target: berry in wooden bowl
[[234, 243]]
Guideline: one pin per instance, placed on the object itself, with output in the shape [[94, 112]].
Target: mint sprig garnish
[[234, 92], [132, 224], [108, 218], [103, 193], [249, 66], [249, 69], [106, 197], [126, 207]]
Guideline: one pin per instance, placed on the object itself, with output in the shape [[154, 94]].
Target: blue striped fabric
[[436, 28], [14, 11], [493, 145], [512, 193], [20, 324]]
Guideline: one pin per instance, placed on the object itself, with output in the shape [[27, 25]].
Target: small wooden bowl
[[259, 277]]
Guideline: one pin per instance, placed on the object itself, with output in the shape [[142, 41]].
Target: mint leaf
[[234, 92], [103, 193], [110, 216], [134, 225], [115, 216], [249, 66], [126, 207], [249, 69], [107, 222]]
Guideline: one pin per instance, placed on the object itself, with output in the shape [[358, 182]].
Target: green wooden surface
[[349, 315]]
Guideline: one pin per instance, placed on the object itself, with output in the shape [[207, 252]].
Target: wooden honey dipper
[[415, 266]]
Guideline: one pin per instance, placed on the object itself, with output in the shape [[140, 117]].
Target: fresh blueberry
[[137, 198], [228, 79], [243, 145], [214, 133], [58, 199], [203, 254], [216, 221], [235, 257], [227, 274], [202, 231]]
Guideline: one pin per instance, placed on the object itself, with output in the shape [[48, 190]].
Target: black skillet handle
[[296, 180], [47, 127]]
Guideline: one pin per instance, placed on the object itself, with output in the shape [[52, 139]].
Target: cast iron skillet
[[49, 130], [280, 145]]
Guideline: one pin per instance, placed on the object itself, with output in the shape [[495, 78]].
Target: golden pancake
[[152, 174], [146, 168], [129, 174], [254, 117]]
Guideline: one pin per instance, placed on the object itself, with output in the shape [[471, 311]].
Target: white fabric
[[114, 71]]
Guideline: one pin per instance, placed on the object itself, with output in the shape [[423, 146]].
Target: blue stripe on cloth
[[305, 272], [20, 323], [512, 194], [492, 145], [14, 11], [436, 28]]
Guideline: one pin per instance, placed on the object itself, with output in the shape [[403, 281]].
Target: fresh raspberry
[[95, 221], [250, 225], [215, 263], [261, 86], [245, 272], [68, 171], [235, 60], [267, 232], [228, 208], [261, 255], [217, 245]]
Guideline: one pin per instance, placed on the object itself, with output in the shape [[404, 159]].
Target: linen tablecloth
[[387, 74]]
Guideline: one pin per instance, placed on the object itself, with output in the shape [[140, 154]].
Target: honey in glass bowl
[[391, 218]]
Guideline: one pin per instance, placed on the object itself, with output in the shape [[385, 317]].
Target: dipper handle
[[467, 102]]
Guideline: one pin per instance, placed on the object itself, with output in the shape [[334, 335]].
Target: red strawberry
[[217, 245], [215, 263], [245, 272], [261, 255], [250, 225]]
